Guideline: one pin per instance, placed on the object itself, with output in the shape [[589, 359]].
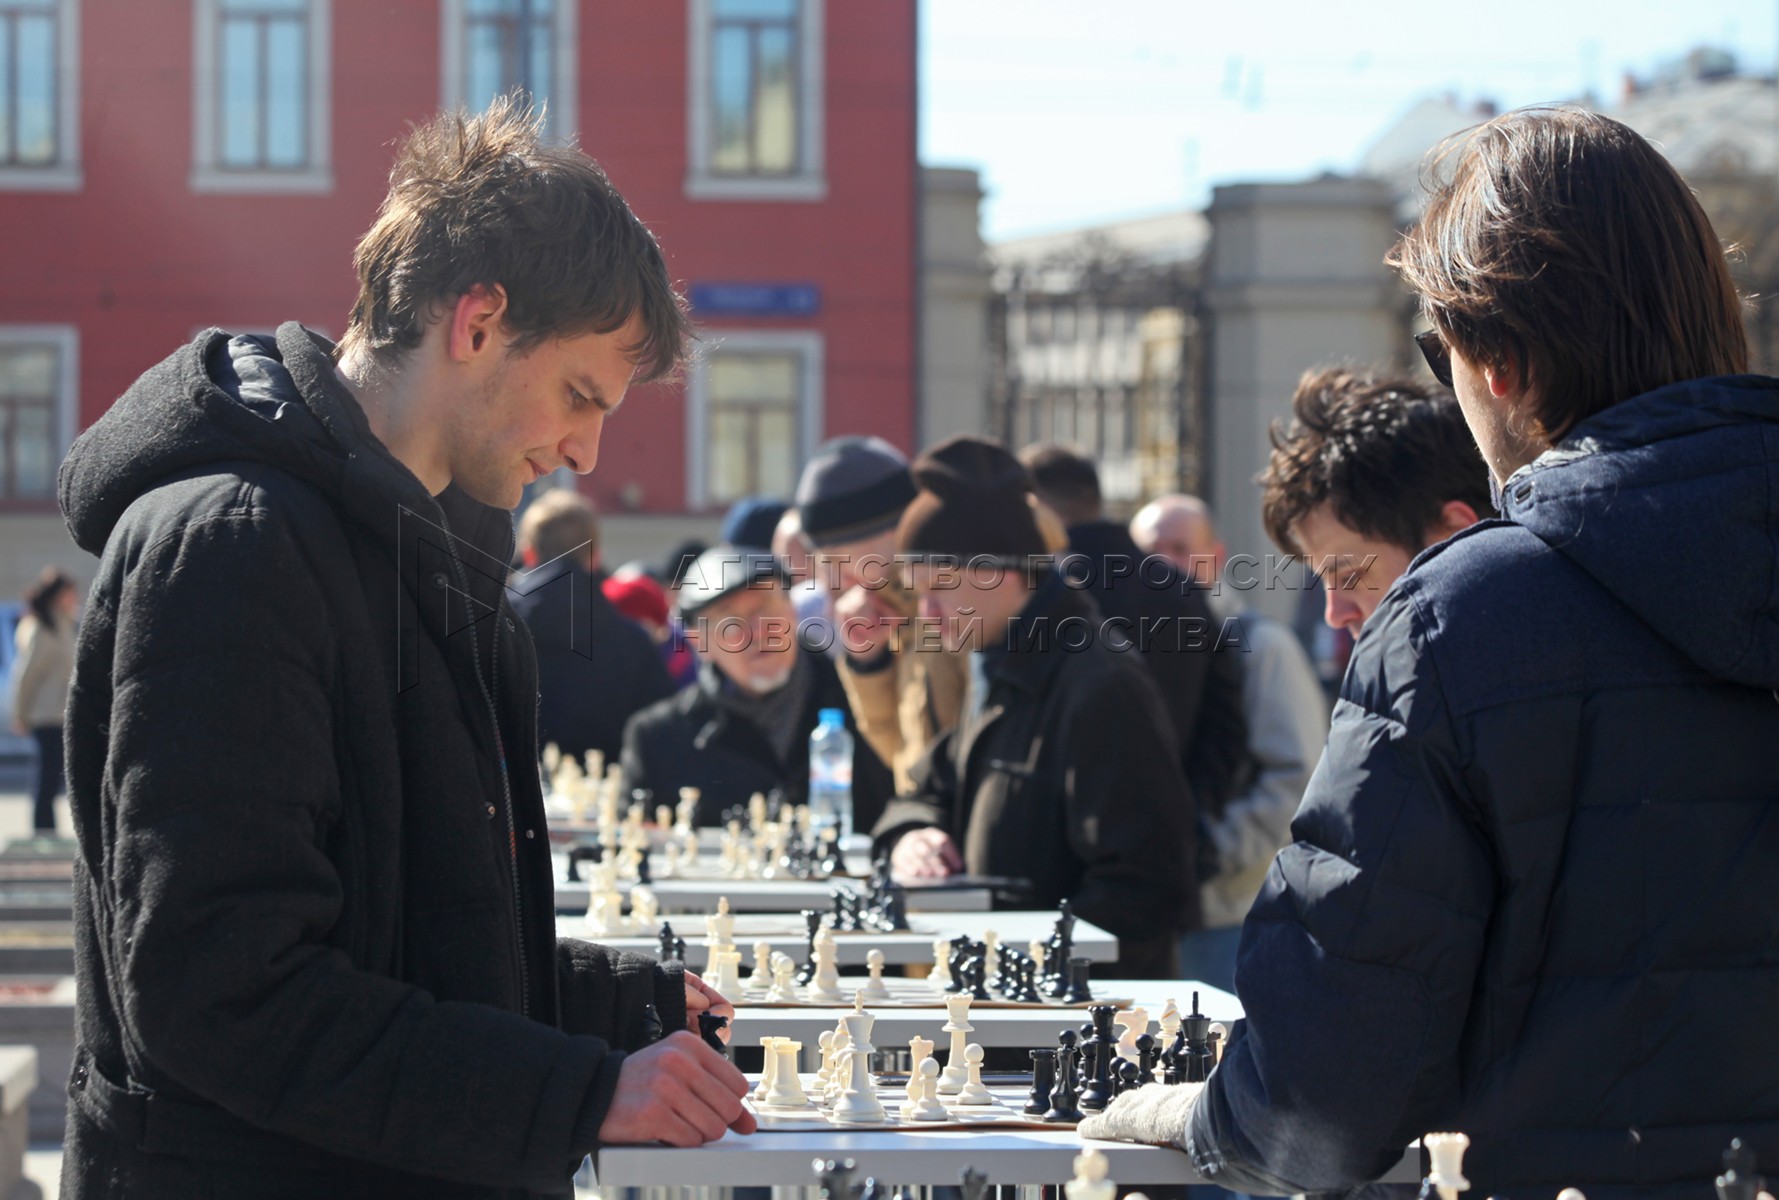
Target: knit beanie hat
[[974, 502], [851, 489], [751, 520]]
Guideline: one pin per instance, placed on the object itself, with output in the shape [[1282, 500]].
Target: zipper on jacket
[[506, 790]]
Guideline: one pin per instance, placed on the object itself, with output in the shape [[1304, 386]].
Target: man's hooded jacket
[[314, 927], [1534, 891]]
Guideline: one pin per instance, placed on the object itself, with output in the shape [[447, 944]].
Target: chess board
[[1007, 1112], [906, 993]]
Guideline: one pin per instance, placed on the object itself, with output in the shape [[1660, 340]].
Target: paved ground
[[43, 1162]]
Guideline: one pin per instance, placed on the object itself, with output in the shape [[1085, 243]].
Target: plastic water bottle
[[830, 774]]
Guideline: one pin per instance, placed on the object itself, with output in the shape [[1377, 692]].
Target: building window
[[37, 401], [39, 92], [755, 109], [261, 96], [494, 48], [755, 402]]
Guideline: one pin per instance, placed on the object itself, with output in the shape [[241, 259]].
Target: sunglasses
[[1439, 359]]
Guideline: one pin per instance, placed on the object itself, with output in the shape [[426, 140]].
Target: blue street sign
[[756, 299]]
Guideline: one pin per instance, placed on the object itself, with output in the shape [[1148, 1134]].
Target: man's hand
[[701, 997], [865, 623], [678, 1091], [925, 854], [1156, 1114]]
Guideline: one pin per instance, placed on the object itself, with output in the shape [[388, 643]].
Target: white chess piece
[[825, 1042], [1134, 1022], [1039, 952], [974, 1091], [719, 926], [726, 977], [784, 981], [1576, 1194], [927, 1107], [644, 908], [1090, 1182], [837, 1076], [1447, 1152], [787, 1088], [1222, 1032], [768, 1064], [940, 977], [858, 1103], [1170, 1021], [824, 988], [671, 870], [875, 989], [991, 955], [957, 1024], [919, 1050], [762, 976]]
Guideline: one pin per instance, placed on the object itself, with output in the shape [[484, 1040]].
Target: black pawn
[[1063, 1097], [644, 874], [651, 1025], [978, 968], [1043, 1081], [1129, 1076], [1148, 1050], [710, 1026], [679, 948], [664, 942], [1078, 992]]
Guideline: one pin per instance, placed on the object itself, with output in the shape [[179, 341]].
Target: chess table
[[700, 895], [786, 935], [995, 1026]]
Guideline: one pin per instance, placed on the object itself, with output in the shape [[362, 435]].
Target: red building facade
[[166, 165]]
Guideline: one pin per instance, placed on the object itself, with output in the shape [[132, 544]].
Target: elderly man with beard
[[744, 726]]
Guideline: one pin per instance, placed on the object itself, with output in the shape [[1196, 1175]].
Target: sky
[[1078, 111]]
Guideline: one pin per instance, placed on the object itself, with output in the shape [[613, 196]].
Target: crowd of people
[[1516, 882]]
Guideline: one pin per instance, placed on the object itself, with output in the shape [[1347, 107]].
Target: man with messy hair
[[314, 915]]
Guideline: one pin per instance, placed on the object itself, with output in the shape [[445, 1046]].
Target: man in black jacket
[[744, 726], [1063, 770], [1196, 659], [314, 928], [595, 666]]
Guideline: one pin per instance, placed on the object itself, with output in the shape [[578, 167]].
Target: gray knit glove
[[1155, 1115]]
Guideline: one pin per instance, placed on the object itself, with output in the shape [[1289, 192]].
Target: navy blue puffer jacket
[[1534, 888]]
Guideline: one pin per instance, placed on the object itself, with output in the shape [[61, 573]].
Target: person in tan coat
[[903, 688], [45, 642]]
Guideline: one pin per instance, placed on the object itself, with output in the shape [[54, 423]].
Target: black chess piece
[[664, 942], [1062, 947], [1063, 1106], [972, 1183], [679, 948], [1077, 991], [1043, 1080], [582, 852], [1098, 1091], [709, 1026], [1006, 962], [1738, 1181], [651, 1025], [812, 923], [1200, 1057], [836, 1177], [977, 967], [960, 947], [1028, 983], [1129, 1076], [1148, 1050], [644, 874]]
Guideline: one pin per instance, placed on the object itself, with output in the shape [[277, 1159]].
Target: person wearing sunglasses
[[1532, 892]]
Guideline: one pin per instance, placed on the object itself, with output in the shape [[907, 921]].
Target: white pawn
[[762, 976], [991, 955], [824, 988], [975, 1091], [874, 988], [787, 1088], [825, 1043], [784, 981], [1039, 952], [837, 1075], [1090, 1182], [928, 1107], [940, 978]]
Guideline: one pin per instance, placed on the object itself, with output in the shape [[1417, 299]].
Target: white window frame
[[811, 182], [207, 174], [807, 343], [64, 175], [66, 339], [564, 101]]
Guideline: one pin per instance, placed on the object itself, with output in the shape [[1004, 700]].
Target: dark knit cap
[[973, 502], [751, 520], [852, 488]]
